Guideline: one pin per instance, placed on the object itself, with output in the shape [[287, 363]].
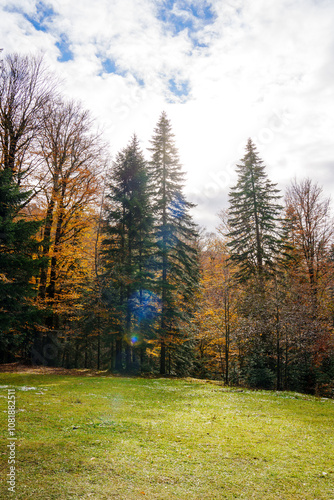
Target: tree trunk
[[112, 354], [98, 343], [128, 357], [162, 358], [119, 364], [278, 372], [227, 335], [47, 235]]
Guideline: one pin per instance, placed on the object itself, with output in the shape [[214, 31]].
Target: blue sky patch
[[41, 21], [181, 15], [44, 15], [65, 51], [140, 81], [179, 88], [109, 66], [204, 12]]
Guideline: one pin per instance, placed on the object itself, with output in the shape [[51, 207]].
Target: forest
[[102, 265]]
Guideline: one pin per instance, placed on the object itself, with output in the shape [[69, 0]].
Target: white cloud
[[260, 69]]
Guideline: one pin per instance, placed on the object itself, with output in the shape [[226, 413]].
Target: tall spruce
[[256, 243], [175, 234], [127, 249], [254, 214]]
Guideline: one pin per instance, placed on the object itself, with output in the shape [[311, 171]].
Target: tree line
[[266, 289], [102, 265]]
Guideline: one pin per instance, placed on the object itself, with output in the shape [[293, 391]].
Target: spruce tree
[[256, 243], [175, 234], [128, 247], [254, 215], [18, 266]]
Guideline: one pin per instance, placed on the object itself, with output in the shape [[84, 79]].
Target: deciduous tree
[[216, 313], [24, 92], [73, 155]]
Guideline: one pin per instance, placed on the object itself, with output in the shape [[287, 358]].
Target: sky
[[223, 70]]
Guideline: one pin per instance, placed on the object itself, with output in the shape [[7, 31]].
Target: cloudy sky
[[223, 70]]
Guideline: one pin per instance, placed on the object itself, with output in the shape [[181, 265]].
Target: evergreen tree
[[128, 247], [255, 236], [175, 233], [256, 242], [24, 92], [18, 265]]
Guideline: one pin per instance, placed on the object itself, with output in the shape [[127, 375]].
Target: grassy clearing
[[131, 438]]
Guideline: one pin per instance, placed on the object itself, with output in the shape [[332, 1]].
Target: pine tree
[[254, 214], [128, 248], [175, 233]]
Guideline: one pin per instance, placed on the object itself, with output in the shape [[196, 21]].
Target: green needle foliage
[[128, 246], [24, 91], [18, 264], [175, 232], [254, 215]]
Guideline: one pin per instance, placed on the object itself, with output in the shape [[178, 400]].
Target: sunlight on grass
[[131, 438]]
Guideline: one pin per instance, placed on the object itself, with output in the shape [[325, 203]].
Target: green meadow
[[105, 437]]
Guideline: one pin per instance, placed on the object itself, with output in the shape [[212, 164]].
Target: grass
[[132, 438]]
